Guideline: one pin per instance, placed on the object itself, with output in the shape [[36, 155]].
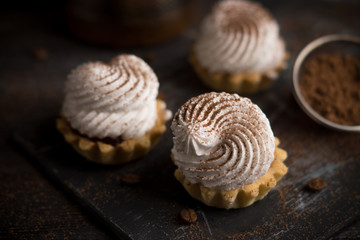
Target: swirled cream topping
[[239, 36], [222, 140], [112, 100]]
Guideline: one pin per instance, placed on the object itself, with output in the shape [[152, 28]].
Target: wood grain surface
[[31, 95]]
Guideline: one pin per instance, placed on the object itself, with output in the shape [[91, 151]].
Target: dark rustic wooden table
[[32, 206]]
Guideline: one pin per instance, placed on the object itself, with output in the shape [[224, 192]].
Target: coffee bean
[[316, 184], [188, 215], [131, 179]]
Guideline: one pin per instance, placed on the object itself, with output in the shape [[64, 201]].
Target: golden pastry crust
[[238, 198], [127, 150], [243, 83]]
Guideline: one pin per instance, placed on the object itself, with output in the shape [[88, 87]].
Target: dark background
[[32, 207]]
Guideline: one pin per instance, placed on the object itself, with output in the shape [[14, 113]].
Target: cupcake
[[111, 113], [225, 150], [238, 48]]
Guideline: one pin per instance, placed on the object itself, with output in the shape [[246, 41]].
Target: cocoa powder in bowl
[[330, 83]]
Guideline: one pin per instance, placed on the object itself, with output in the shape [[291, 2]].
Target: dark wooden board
[[149, 210]]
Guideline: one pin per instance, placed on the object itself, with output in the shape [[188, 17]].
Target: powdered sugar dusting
[[112, 100]]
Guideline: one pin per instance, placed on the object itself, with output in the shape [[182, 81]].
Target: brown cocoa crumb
[[330, 84], [131, 179], [316, 184], [40, 53], [188, 215]]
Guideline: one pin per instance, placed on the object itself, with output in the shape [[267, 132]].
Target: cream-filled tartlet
[[111, 113], [225, 150], [238, 48]]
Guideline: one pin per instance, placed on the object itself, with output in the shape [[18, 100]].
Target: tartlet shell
[[238, 198], [126, 151], [242, 83]]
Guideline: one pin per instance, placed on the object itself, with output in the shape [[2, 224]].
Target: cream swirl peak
[[239, 36], [222, 140], [112, 100]]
